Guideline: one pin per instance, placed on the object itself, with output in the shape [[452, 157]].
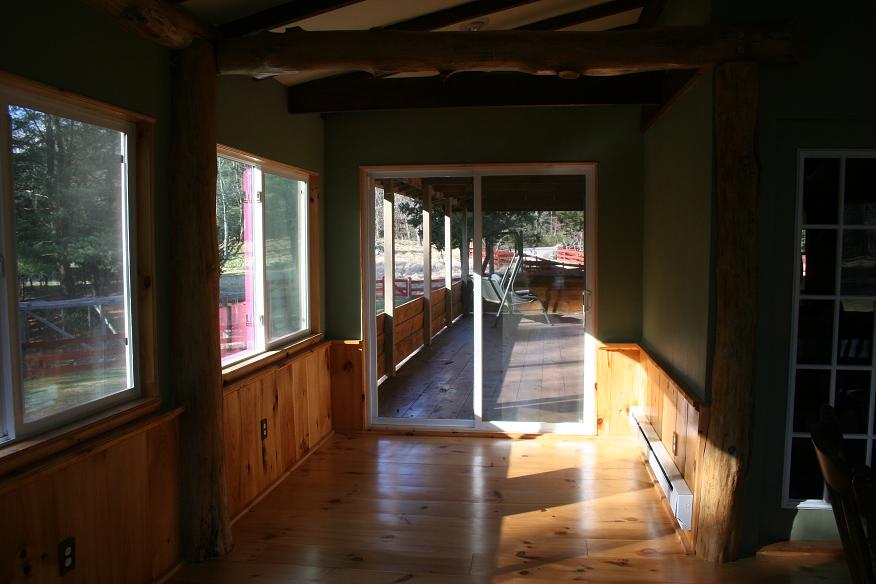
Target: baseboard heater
[[670, 480]]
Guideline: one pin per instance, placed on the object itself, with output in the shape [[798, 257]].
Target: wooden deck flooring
[[532, 373], [376, 509]]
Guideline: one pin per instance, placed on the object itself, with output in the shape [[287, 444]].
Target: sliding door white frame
[[369, 175]]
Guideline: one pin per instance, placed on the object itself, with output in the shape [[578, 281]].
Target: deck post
[[427, 266], [463, 257], [195, 371], [389, 276], [448, 261], [727, 449]]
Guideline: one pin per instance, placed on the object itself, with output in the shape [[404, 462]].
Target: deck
[[435, 510], [532, 372]]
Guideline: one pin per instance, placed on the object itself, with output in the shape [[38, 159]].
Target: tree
[[67, 191]]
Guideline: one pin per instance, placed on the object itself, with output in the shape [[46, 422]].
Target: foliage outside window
[[262, 230], [67, 324]]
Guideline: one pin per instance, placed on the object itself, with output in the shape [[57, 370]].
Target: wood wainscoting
[[294, 399], [118, 496], [627, 376]]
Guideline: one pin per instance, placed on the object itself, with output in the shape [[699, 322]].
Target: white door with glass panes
[[832, 357]]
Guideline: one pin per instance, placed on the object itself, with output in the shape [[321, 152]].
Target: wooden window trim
[[254, 363], [257, 363], [23, 451]]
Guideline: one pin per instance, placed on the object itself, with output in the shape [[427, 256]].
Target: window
[[833, 358], [263, 216], [66, 259]]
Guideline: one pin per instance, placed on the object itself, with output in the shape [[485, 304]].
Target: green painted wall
[[253, 117], [64, 44], [827, 99], [67, 45], [677, 236], [607, 135]]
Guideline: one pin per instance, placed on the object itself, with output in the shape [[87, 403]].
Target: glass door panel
[[533, 287], [424, 336]]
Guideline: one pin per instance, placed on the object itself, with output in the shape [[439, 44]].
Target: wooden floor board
[[386, 509], [532, 372]]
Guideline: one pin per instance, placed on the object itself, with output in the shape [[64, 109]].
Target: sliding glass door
[[486, 321]]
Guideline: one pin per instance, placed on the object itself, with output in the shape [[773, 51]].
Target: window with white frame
[[262, 217], [832, 361], [67, 323]]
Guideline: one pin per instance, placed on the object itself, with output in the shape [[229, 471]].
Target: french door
[[479, 302]]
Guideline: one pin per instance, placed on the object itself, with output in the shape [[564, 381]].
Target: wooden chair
[[841, 482]]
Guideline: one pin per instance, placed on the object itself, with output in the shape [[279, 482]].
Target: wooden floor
[[392, 509], [533, 372]]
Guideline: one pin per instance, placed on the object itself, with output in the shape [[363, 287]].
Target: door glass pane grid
[[835, 239]]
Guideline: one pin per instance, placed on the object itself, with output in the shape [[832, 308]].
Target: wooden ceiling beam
[[456, 14], [589, 14], [282, 15], [363, 92], [382, 52], [159, 21]]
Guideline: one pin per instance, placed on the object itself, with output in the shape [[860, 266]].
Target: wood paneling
[[117, 495], [628, 376], [381, 345], [295, 399], [456, 300], [348, 386], [439, 310], [408, 328], [618, 388]]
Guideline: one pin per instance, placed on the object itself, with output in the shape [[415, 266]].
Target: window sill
[[20, 453], [247, 367]]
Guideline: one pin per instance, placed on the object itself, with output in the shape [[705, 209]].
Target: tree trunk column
[[728, 446], [194, 371]]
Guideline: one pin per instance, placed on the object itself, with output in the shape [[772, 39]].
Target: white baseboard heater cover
[[670, 480]]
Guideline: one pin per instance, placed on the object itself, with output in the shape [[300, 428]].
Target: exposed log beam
[[360, 92], [157, 20], [195, 372], [589, 14], [381, 52], [282, 15], [456, 14], [727, 450], [675, 84]]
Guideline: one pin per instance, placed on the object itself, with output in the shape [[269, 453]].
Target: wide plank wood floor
[[533, 372], [393, 509]]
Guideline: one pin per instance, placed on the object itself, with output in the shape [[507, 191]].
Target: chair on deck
[[493, 291], [852, 494]]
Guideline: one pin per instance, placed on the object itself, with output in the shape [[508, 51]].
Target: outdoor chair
[[493, 292], [851, 495]]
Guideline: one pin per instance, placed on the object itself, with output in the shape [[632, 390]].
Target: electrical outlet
[[264, 427], [675, 443], [66, 555]]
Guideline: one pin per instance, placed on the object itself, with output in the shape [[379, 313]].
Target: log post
[[195, 365], [728, 446]]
